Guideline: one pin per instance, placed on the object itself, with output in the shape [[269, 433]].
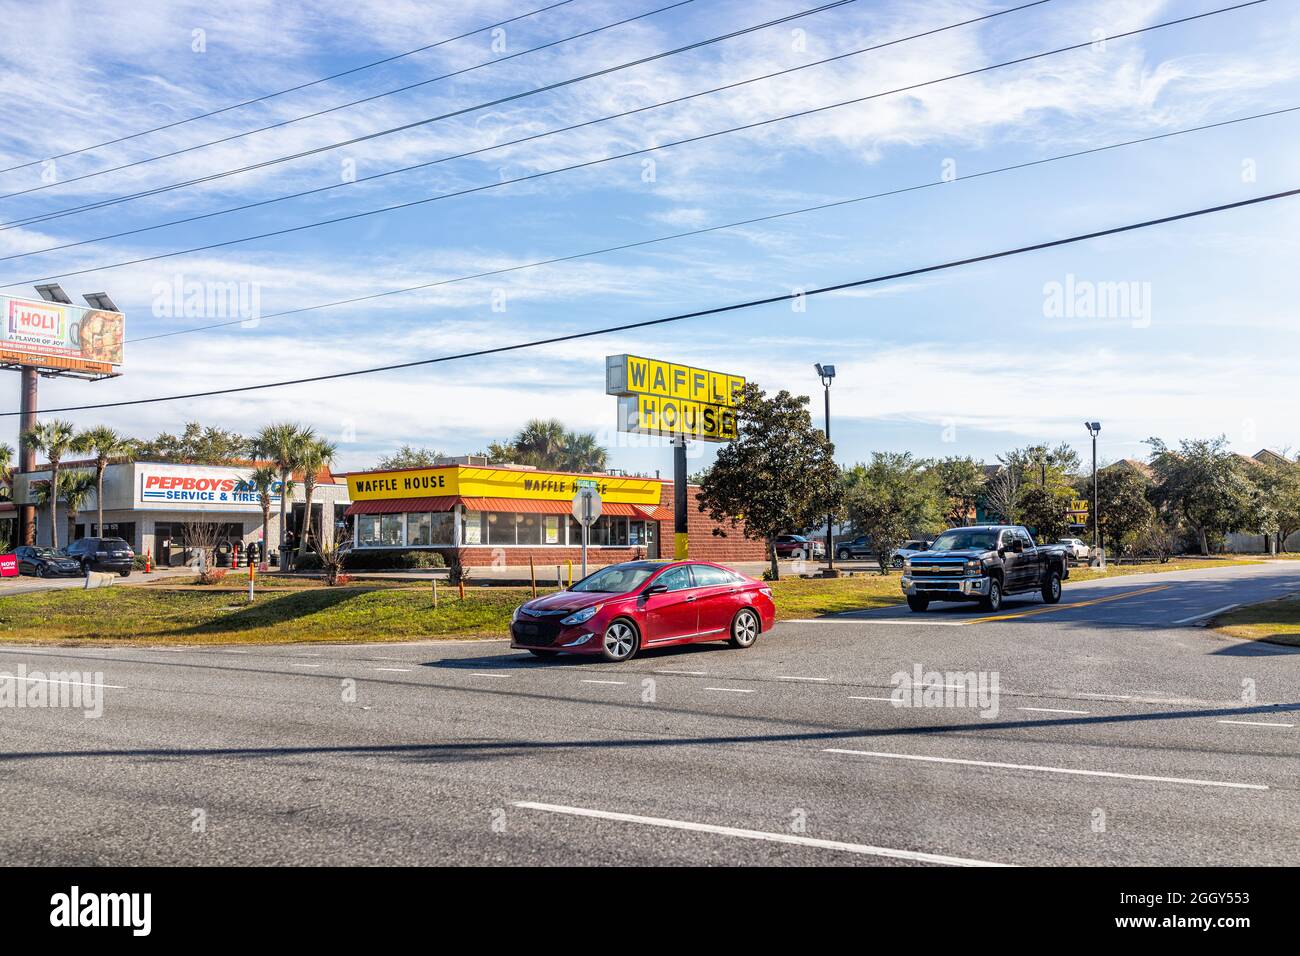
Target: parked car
[[907, 550], [984, 564], [102, 554], [798, 546], [858, 547], [1075, 548], [46, 562], [620, 609]]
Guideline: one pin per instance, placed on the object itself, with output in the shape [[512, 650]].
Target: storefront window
[[390, 531], [472, 528], [426, 529], [368, 531], [552, 530]]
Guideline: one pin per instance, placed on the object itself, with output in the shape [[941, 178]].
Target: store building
[[484, 515], [156, 507]]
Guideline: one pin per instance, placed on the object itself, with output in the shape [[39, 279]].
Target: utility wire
[[513, 142], [607, 159], [701, 313], [293, 89], [342, 106], [431, 119], [729, 225]]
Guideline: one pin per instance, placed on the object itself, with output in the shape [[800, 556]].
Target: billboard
[[50, 335], [470, 482], [668, 399]]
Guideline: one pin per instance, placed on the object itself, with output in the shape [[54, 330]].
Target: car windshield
[[618, 579], [966, 539], [48, 553]]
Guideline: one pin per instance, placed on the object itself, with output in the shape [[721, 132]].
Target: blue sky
[[971, 361]]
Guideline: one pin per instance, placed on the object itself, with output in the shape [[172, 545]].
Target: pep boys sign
[[216, 488]]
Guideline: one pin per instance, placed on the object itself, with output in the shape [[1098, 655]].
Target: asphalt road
[[1120, 732]]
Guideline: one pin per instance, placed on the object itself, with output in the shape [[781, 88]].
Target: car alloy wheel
[[994, 601], [619, 642], [843, 555], [744, 628]]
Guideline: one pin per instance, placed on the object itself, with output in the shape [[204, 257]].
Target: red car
[[623, 608]]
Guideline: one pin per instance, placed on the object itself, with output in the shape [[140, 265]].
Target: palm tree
[[74, 488], [318, 453], [53, 439], [582, 452], [263, 479], [283, 444], [6, 459], [105, 444]]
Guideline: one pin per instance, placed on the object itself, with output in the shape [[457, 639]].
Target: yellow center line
[[1066, 607]]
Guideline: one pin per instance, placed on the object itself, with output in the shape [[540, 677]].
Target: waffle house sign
[[672, 400]]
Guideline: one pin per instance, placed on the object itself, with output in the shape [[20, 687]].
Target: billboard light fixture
[[53, 292]]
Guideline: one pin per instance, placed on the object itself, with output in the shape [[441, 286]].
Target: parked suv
[[797, 546], [103, 554]]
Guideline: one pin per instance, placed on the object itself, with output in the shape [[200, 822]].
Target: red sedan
[[625, 607]]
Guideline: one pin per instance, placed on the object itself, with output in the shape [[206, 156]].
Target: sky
[[1185, 330]]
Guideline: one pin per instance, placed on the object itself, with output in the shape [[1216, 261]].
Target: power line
[[293, 89], [342, 106], [515, 142], [607, 159], [460, 112], [701, 313], [730, 225]]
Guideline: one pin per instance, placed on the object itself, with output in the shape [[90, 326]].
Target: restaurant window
[[428, 529], [472, 528], [368, 531], [618, 531], [528, 529], [500, 527], [552, 530], [390, 530], [636, 536]]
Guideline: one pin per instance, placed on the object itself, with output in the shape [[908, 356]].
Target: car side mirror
[[655, 589]]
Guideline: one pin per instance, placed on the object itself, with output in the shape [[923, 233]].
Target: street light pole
[[827, 374], [1094, 428]]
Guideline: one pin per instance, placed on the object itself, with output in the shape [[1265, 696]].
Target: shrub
[[211, 576], [368, 560], [340, 580]]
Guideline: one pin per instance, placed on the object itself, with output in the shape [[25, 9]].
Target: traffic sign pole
[[680, 536]]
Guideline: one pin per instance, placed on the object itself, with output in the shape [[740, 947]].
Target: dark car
[[46, 562], [983, 564], [102, 554], [618, 610], [797, 546], [858, 547]]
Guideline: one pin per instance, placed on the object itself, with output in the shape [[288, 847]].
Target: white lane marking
[[587, 680], [789, 838], [226, 650], [687, 673], [888, 700], [1050, 710], [731, 690], [1255, 723], [791, 677], [486, 674], [71, 683], [1065, 770], [1197, 617], [1107, 696], [393, 670], [306, 665]]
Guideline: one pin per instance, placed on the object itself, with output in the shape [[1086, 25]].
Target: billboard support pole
[[27, 454], [679, 498]]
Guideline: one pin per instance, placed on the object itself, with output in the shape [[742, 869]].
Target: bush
[[367, 560], [340, 580], [211, 576]]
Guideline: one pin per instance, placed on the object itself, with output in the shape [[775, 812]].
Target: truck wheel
[[918, 602], [842, 555], [993, 601], [1052, 587]]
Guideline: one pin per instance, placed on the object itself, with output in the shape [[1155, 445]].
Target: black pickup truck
[[984, 564]]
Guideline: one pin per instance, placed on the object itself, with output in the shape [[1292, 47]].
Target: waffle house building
[[483, 515]]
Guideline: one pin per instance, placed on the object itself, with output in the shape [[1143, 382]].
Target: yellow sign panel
[[665, 398], [469, 482]]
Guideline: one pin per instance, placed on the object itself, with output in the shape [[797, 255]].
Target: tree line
[[779, 476]]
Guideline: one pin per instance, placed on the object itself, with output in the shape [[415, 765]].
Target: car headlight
[[973, 564], [515, 616], [579, 617], [907, 563]]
